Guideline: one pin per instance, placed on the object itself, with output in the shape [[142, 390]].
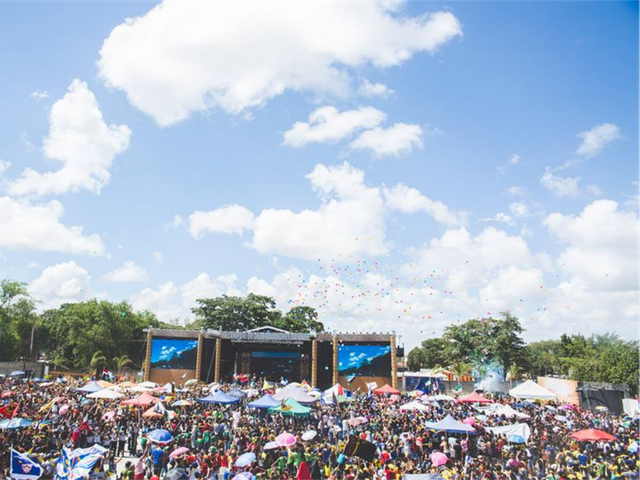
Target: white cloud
[[185, 57], [561, 186], [158, 257], [27, 227], [499, 217], [4, 166], [394, 141], [350, 220], [128, 272], [519, 209], [62, 283], [594, 190], [409, 200], [514, 159], [602, 245], [39, 94], [79, 139], [594, 140], [228, 219], [328, 124], [516, 191], [370, 90], [175, 222]]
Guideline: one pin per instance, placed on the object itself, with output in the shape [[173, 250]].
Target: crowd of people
[[208, 439]]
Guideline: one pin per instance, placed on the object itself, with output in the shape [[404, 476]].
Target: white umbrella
[[105, 393], [309, 435]]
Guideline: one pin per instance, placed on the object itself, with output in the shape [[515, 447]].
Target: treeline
[[88, 335], [477, 345]]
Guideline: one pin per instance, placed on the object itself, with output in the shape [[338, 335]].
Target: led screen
[[179, 354], [364, 360]]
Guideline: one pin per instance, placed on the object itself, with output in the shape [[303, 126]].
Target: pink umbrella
[[469, 421], [439, 458], [178, 451], [63, 409], [108, 415], [286, 439]]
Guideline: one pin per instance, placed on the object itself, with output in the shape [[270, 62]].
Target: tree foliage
[[230, 313]]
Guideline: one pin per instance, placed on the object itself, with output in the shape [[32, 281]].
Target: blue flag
[[78, 463], [23, 468]]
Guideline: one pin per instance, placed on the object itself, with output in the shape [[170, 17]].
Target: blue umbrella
[[515, 439], [17, 373], [160, 436]]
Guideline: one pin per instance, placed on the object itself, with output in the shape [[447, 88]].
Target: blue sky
[[166, 348], [479, 157]]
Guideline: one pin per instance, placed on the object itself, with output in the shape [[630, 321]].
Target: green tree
[[237, 313], [121, 362], [434, 352], [460, 369], [300, 319], [415, 359], [17, 309]]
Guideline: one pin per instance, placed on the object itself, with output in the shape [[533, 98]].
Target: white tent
[[414, 407], [532, 390], [298, 394], [508, 412], [518, 429], [105, 393]]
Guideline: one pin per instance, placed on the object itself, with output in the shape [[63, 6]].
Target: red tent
[[387, 389], [474, 397], [143, 400], [592, 435]]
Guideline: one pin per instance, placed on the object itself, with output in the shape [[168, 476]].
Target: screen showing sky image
[[364, 360], [173, 353]]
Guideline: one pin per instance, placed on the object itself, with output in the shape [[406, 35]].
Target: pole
[[33, 329]]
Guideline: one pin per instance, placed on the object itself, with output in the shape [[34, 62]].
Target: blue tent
[[218, 397], [90, 387], [450, 425], [264, 402]]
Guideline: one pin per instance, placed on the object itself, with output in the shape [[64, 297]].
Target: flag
[[6, 412], [357, 447], [351, 378], [15, 410], [284, 407], [78, 463], [267, 385], [184, 375], [23, 468], [47, 406], [159, 408]]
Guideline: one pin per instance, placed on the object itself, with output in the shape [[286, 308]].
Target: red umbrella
[[143, 400], [593, 435], [474, 397], [387, 389]]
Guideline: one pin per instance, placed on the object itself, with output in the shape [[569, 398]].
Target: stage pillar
[[147, 359], [394, 363], [216, 371], [335, 361], [199, 357], [314, 362]]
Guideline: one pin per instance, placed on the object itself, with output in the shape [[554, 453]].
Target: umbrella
[[143, 400], [17, 373], [286, 439], [86, 403], [469, 421], [309, 435], [176, 474], [243, 476], [108, 415], [181, 403], [439, 458], [178, 451], [271, 445], [592, 435], [191, 381], [516, 439], [160, 436], [633, 448], [106, 394], [245, 459], [7, 394]]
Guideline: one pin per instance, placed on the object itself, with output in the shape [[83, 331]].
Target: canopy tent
[[414, 407], [386, 388], [90, 387], [450, 425], [291, 407], [106, 394], [474, 397], [517, 429], [296, 393], [264, 402], [105, 384], [143, 400], [508, 412], [531, 390], [219, 397], [593, 435]]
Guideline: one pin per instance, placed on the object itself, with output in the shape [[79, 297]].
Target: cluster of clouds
[[350, 220]]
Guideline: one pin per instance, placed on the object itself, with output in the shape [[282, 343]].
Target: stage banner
[[565, 390]]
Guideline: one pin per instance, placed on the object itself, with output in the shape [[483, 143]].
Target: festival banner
[[23, 468]]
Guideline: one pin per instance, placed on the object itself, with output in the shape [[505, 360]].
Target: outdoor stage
[[323, 359]]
